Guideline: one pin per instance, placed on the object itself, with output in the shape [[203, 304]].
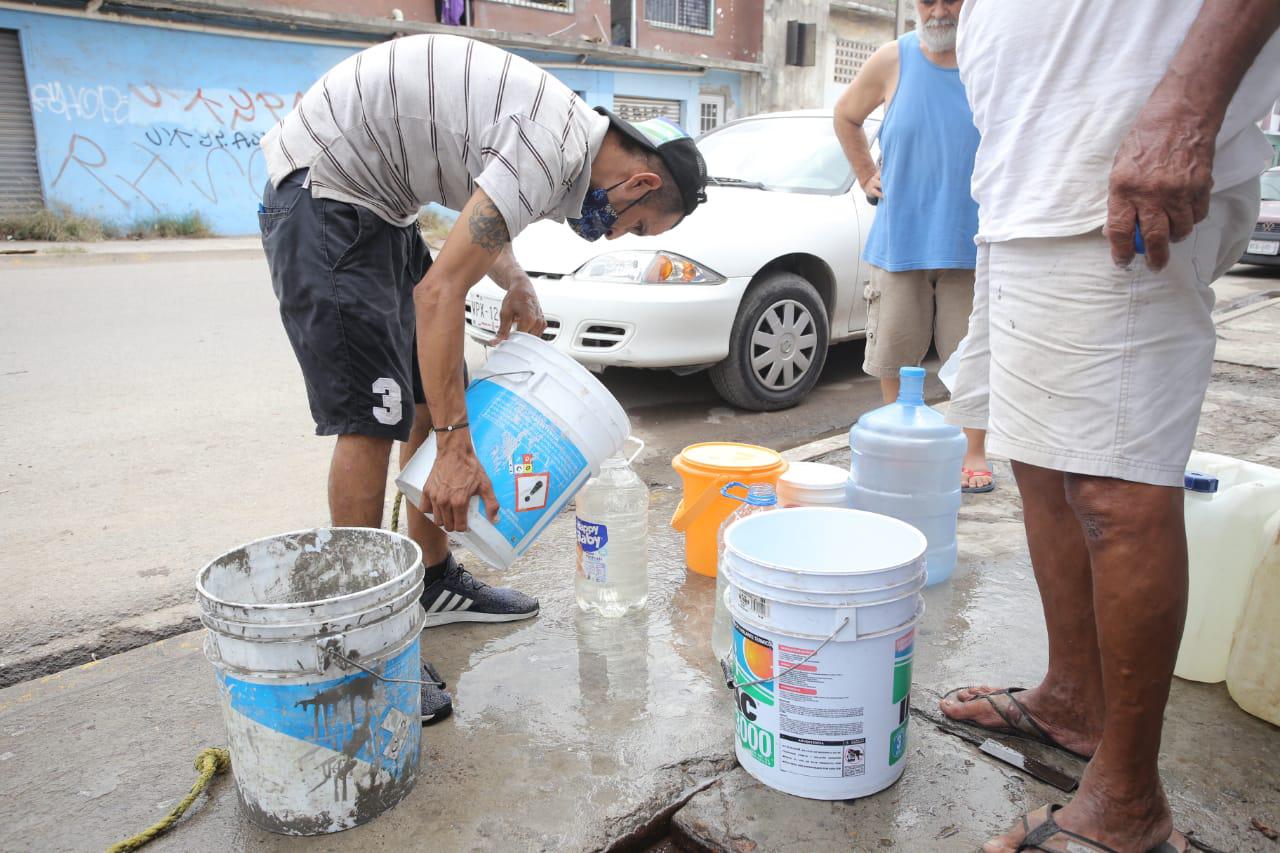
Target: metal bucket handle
[[731, 680], [524, 373], [333, 646]]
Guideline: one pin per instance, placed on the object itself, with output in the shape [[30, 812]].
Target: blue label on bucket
[[362, 717], [533, 465]]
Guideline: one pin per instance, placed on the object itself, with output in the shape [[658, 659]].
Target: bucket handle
[[686, 514], [525, 373], [639, 450], [331, 647], [732, 682]]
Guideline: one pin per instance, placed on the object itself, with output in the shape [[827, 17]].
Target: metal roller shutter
[[19, 174], [639, 109]]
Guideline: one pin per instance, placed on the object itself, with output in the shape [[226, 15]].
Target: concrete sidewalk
[[575, 733]]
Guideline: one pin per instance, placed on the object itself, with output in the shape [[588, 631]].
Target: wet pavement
[[573, 732]]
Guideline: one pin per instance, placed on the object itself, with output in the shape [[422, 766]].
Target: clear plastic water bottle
[[761, 497], [905, 462], [613, 533]]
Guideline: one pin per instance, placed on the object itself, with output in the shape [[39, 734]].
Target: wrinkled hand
[[520, 307], [456, 476], [1161, 180], [872, 186]]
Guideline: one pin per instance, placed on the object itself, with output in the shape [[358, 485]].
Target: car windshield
[[784, 153], [1271, 186]]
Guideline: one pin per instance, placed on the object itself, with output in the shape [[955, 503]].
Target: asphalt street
[[152, 416]]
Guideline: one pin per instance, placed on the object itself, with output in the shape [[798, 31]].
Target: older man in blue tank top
[[920, 248]]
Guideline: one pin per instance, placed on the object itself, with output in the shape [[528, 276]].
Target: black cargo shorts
[[345, 279]]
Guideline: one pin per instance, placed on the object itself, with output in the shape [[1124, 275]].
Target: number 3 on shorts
[[390, 411]]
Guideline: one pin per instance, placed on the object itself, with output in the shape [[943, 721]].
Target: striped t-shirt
[[428, 118]]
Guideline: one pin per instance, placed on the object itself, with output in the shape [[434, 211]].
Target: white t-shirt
[[1055, 87], [428, 118]]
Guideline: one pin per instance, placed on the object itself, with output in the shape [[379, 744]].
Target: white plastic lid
[[813, 483]]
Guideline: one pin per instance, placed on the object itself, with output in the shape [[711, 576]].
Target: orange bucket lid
[[727, 457]]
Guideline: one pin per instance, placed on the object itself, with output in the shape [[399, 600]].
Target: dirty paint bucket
[[314, 638], [824, 603], [704, 470], [541, 425]]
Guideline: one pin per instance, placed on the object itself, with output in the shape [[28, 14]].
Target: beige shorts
[[906, 311], [1091, 369]]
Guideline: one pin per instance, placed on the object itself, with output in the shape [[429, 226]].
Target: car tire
[[778, 345]]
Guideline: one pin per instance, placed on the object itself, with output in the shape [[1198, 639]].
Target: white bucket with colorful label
[[824, 603], [541, 425]]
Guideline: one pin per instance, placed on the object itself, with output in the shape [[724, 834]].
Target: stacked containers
[[813, 484]]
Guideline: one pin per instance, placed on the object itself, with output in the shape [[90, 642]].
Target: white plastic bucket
[[541, 425], [813, 484], [318, 744], [824, 603]]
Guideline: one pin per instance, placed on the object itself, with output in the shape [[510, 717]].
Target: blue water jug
[[905, 462]]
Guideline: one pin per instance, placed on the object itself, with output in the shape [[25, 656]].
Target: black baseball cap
[[677, 150]]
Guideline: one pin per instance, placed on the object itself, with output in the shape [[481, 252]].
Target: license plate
[[486, 313], [1263, 247]]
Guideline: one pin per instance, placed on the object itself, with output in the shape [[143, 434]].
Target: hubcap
[[783, 344]]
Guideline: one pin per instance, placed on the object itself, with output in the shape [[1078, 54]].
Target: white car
[[754, 285]]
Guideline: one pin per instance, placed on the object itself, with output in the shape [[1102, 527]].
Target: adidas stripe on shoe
[[459, 597]]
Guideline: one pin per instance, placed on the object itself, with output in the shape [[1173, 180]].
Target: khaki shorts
[[1093, 369], [906, 311]]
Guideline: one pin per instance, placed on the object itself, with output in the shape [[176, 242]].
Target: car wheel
[[778, 345]]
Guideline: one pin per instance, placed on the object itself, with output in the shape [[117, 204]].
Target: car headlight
[[647, 268]]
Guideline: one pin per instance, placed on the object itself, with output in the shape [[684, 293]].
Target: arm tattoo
[[488, 228]]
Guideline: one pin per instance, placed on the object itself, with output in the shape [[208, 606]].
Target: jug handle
[[686, 513]]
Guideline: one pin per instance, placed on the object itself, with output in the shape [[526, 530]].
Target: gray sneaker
[[459, 597], [436, 702]]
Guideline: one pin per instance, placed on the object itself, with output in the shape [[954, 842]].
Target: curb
[[98, 642], [77, 259]]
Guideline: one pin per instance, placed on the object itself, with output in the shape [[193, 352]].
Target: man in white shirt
[[1101, 121], [437, 118]]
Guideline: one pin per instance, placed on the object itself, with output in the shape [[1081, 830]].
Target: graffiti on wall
[[151, 148]]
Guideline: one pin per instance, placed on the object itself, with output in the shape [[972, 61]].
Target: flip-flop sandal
[[969, 474], [1036, 838], [1024, 727]]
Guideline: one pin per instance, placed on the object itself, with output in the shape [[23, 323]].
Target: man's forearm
[[857, 150], [1223, 42], [440, 341], [505, 270]]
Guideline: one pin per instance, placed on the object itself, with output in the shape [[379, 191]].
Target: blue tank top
[[927, 218]]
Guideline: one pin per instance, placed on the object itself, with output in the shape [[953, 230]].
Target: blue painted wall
[[136, 121]]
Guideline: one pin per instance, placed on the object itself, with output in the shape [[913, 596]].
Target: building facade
[[145, 108]]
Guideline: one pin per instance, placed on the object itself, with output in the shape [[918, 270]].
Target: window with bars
[[709, 117], [552, 5], [851, 55], [640, 109], [692, 15]]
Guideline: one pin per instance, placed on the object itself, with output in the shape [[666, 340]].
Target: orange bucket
[[705, 469]]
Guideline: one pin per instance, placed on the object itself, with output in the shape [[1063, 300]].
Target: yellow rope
[[395, 512], [209, 762]]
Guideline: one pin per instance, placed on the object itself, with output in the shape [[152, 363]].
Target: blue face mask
[[598, 215]]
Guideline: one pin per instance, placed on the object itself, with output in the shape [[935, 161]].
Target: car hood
[[1270, 212], [733, 233]]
